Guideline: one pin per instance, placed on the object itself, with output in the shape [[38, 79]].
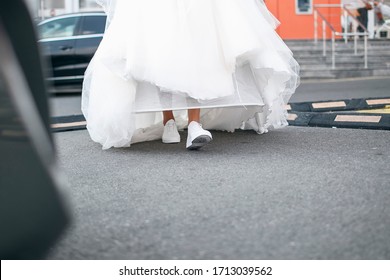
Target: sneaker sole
[[199, 142], [171, 141]]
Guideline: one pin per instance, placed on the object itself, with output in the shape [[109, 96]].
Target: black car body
[[69, 43]]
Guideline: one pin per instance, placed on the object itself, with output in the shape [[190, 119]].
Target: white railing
[[326, 24]]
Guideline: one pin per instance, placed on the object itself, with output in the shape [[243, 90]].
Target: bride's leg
[[167, 115], [193, 115]]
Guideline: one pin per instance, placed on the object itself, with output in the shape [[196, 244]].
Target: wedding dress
[[222, 56]]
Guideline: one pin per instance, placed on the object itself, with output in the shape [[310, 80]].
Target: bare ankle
[[167, 120]]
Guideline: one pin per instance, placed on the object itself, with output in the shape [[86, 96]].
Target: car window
[[93, 25], [64, 27]]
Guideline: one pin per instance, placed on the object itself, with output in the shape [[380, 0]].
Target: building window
[[304, 7]]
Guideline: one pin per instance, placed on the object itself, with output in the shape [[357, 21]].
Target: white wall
[[72, 6], [46, 8]]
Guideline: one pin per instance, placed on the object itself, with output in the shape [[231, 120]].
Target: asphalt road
[[295, 193], [342, 89]]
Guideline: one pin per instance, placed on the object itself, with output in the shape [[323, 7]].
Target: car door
[[88, 39], [58, 46]]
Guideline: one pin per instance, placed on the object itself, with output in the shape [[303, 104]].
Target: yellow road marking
[[385, 110]]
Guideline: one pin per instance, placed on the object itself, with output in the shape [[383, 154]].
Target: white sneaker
[[170, 135], [197, 136]]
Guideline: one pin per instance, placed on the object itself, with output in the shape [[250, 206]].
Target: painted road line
[[352, 120], [67, 125], [378, 101], [292, 117], [13, 133], [358, 119], [376, 111], [327, 105], [386, 110]]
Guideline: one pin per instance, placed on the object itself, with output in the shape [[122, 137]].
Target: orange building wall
[[294, 26]]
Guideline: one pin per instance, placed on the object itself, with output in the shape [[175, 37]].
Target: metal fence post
[[42, 9], [315, 27], [365, 51], [355, 44], [333, 51], [346, 25], [323, 38]]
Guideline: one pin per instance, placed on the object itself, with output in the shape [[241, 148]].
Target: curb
[[68, 123], [341, 120], [341, 113]]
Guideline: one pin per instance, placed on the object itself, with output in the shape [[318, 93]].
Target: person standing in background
[[363, 9]]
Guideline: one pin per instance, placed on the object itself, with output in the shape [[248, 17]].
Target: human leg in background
[[363, 18], [193, 115]]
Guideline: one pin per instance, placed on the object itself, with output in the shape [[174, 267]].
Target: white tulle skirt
[[222, 56]]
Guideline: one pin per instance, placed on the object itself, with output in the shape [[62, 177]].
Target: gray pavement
[[65, 105], [342, 89], [295, 193]]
